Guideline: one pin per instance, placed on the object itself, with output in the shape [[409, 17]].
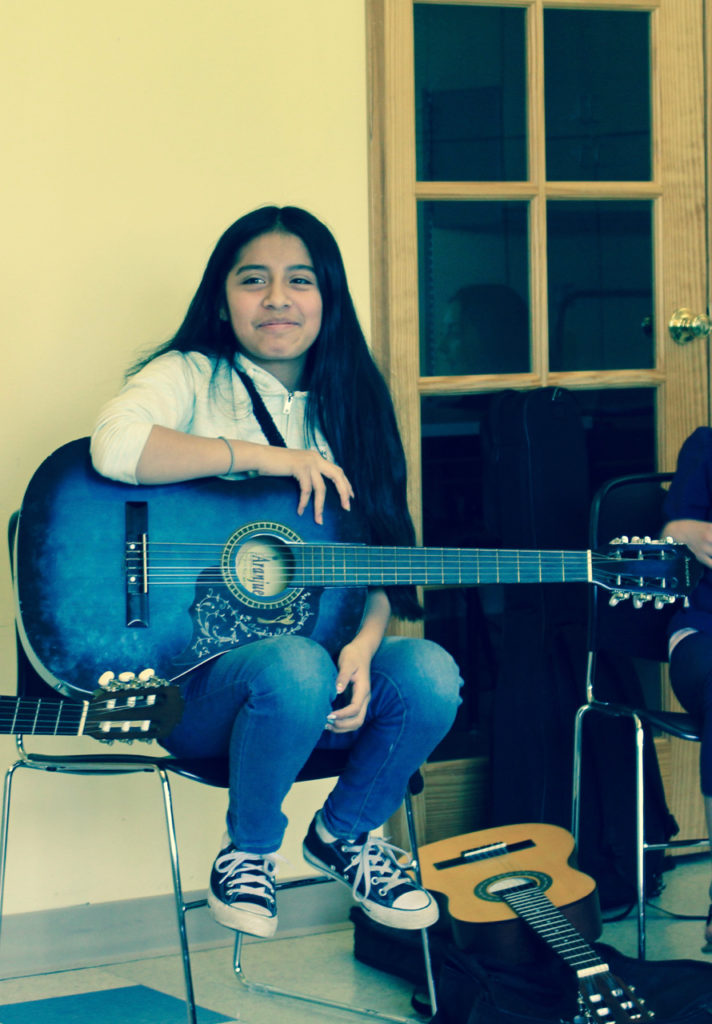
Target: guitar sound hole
[[263, 568], [494, 889]]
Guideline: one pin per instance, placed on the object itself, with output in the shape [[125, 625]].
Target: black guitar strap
[[259, 408]]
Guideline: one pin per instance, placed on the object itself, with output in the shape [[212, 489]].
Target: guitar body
[[79, 617], [481, 921]]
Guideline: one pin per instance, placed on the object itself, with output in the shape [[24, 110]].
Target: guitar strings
[[349, 564], [28, 714]]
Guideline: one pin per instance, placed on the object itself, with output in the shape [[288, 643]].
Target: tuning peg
[[146, 674], [616, 597], [640, 599], [107, 681]]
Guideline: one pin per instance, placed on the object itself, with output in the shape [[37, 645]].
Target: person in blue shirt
[[688, 511]]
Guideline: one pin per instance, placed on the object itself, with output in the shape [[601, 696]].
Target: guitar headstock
[[603, 997], [646, 570], [132, 707]]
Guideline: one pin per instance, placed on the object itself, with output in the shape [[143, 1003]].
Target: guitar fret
[[37, 712]]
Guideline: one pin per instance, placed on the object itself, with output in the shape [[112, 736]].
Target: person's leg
[[691, 679], [415, 694], [263, 707]]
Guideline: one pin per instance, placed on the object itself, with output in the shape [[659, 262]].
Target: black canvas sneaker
[[370, 867], [241, 893]]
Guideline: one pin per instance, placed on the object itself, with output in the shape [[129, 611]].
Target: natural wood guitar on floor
[[510, 889]]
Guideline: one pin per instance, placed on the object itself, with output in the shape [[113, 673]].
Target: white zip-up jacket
[[177, 390]]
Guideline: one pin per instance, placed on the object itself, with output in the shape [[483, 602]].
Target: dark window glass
[[597, 88], [470, 76], [473, 287], [600, 273]]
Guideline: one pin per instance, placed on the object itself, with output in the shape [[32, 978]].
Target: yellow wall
[[133, 134]]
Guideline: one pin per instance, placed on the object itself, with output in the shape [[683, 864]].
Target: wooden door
[[543, 160]]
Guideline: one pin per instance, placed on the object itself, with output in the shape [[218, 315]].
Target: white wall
[[133, 134]]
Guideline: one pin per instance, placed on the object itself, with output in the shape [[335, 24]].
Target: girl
[[270, 374]]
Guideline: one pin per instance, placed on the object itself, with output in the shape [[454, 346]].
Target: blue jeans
[[264, 706], [691, 680]]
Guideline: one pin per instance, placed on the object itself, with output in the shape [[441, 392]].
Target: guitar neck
[[357, 565], [534, 907], [35, 717]]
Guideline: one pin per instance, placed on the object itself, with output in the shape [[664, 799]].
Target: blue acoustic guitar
[[170, 576]]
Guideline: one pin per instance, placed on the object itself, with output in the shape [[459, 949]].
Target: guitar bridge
[[136, 564]]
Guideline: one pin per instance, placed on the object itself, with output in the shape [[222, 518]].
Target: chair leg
[[576, 775], [425, 938], [4, 823], [180, 905], [272, 990], [178, 894], [264, 989], [640, 833]]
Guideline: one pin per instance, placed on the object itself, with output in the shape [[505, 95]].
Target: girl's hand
[[696, 534], [312, 473], [354, 679]]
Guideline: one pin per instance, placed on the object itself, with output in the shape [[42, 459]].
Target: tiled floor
[[325, 962]]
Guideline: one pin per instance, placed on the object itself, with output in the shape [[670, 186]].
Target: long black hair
[[348, 397]]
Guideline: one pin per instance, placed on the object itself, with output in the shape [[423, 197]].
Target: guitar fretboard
[[40, 717], [334, 564], [534, 907]]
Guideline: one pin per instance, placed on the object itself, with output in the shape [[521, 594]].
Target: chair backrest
[[629, 506]]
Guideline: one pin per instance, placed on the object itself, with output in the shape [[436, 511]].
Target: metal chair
[[211, 772], [629, 506]]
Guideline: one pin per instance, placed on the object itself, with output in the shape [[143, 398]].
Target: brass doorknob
[[686, 326]]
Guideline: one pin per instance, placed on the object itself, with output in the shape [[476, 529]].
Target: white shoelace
[[377, 864], [251, 873]]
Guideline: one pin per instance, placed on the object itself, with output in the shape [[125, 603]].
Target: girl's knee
[[426, 670], [298, 668]]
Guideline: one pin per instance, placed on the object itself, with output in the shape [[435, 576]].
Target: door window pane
[[474, 310], [470, 88], [600, 273], [597, 88]]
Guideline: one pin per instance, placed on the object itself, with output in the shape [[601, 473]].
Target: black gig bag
[[472, 991]]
